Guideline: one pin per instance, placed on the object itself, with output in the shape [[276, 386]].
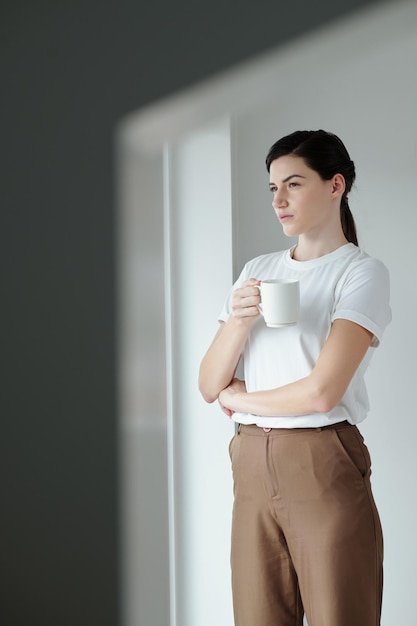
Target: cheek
[[314, 205]]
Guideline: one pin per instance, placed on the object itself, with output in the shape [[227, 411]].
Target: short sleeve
[[363, 296]]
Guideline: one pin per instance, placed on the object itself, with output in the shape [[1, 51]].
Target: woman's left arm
[[319, 392]]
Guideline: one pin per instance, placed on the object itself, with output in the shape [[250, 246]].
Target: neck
[[309, 250]]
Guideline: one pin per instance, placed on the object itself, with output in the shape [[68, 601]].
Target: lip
[[285, 217]]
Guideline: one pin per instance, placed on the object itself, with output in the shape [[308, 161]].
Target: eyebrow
[[288, 178]]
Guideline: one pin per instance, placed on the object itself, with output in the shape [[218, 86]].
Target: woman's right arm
[[219, 364]]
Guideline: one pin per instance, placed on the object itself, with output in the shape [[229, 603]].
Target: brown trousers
[[306, 535]]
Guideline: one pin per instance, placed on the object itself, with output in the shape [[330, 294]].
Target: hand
[[225, 410], [226, 396], [245, 300]]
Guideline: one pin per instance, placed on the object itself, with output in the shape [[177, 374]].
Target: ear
[[338, 185]]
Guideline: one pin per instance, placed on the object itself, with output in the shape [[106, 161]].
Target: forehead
[[286, 166]]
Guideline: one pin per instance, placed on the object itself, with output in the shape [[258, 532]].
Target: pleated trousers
[[306, 534]]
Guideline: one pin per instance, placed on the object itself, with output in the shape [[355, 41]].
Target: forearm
[[302, 397], [219, 365]]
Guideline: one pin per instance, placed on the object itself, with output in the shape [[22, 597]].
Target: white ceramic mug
[[280, 301]]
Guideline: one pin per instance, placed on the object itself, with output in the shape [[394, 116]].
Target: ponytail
[[348, 223]]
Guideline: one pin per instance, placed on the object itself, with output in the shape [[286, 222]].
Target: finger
[[246, 297], [247, 290], [251, 282], [225, 410], [245, 310]]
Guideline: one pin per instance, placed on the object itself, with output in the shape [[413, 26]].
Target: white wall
[[175, 262], [200, 271], [355, 78], [370, 100]]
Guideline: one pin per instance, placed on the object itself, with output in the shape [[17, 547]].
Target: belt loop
[[238, 428]]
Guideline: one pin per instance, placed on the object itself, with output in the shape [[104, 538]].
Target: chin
[[290, 232]]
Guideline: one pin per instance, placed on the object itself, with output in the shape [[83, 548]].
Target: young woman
[[306, 535]]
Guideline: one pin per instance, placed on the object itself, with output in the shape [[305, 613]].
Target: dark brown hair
[[325, 153]]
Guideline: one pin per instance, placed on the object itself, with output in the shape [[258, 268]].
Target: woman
[[306, 535]]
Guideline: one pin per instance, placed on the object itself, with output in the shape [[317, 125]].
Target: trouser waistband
[[253, 429]]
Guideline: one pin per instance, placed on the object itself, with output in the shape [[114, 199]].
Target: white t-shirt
[[348, 284]]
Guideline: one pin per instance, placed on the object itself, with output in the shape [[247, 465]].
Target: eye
[[293, 184], [272, 188]]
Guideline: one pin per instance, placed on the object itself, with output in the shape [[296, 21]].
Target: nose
[[279, 200]]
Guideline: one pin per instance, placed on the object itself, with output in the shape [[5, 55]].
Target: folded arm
[[319, 392]]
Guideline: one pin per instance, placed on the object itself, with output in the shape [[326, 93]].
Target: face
[[303, 202]]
